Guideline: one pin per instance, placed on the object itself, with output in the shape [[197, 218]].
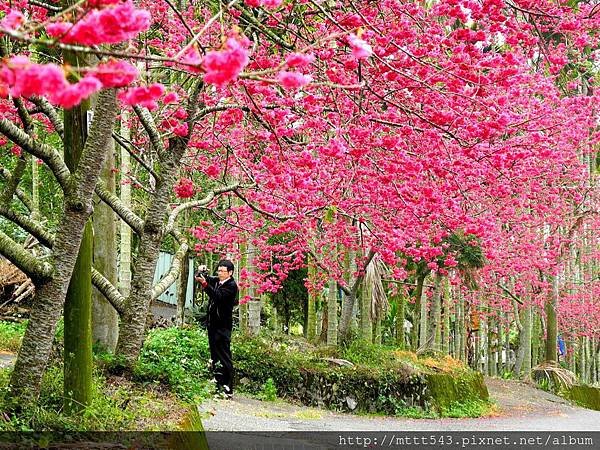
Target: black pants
[[219, 342]]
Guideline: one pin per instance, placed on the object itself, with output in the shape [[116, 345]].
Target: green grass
[[122, 407], [467, 409], [11, 335]]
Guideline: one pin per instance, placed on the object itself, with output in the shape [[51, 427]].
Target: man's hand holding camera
[[201, 275]]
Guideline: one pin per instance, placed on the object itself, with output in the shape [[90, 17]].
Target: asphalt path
[[519, 407]]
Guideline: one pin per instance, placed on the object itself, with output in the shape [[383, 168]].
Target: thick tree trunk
[[366, 321], [78, 301], [400, 334], [414, 332], [243, 309], [434, 338], [105, 319], [311, 314], [552, 323], [124, 230], [182, 290], [133, 323], [50, 296], [332, 318], [78, 362]]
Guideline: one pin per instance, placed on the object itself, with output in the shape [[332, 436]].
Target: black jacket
[[221, 300]]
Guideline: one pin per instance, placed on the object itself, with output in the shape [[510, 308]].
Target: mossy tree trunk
[[366, 320], [105, 319], [446, 317], [124, 230], [182, 290], [551, 322], [401, 311], [459, 328], [377, 331], [537, 336], [434, 338], [332, 317], [416, 316], [78, 329], [491, 348], [78, 301], [422, 320], [311, 314]]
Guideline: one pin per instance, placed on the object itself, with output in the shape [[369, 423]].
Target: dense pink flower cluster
[[224, 66], [143, 95], [265, 3], [115, 73], [13, 20], [299, 59], [20, 77], [360, 49], [184, 188], [293, 80], [106, 26]]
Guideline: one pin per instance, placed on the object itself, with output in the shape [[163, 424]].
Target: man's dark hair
[[227, 264]]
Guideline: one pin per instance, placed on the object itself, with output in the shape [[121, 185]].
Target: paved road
[[6, 359], [520, 407]]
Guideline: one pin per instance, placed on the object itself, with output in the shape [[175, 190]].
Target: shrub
[[112, 408], [178, 358]]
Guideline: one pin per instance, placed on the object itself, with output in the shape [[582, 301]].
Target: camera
[[202, 272]]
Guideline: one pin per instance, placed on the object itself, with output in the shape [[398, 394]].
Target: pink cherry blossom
[[225, 65], [115, 73], [106, 26], [73, 94], [293, 80], [299, 59], [184, 188], [360, 49], [143, 95], [13, 20]]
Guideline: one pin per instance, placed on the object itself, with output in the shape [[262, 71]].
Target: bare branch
[[44, 152], [34, 228], [115, 203], [50, 111], [513, 296], [197, 203], [29, 264], [126, 145], [110, 292], [45, 5], [5, 173], [148, 123]]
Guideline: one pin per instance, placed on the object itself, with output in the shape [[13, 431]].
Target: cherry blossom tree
[[372, 128]]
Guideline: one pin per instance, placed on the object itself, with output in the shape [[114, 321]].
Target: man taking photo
[[222, 292]]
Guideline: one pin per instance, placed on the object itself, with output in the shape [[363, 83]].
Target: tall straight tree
[[78, 301]]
